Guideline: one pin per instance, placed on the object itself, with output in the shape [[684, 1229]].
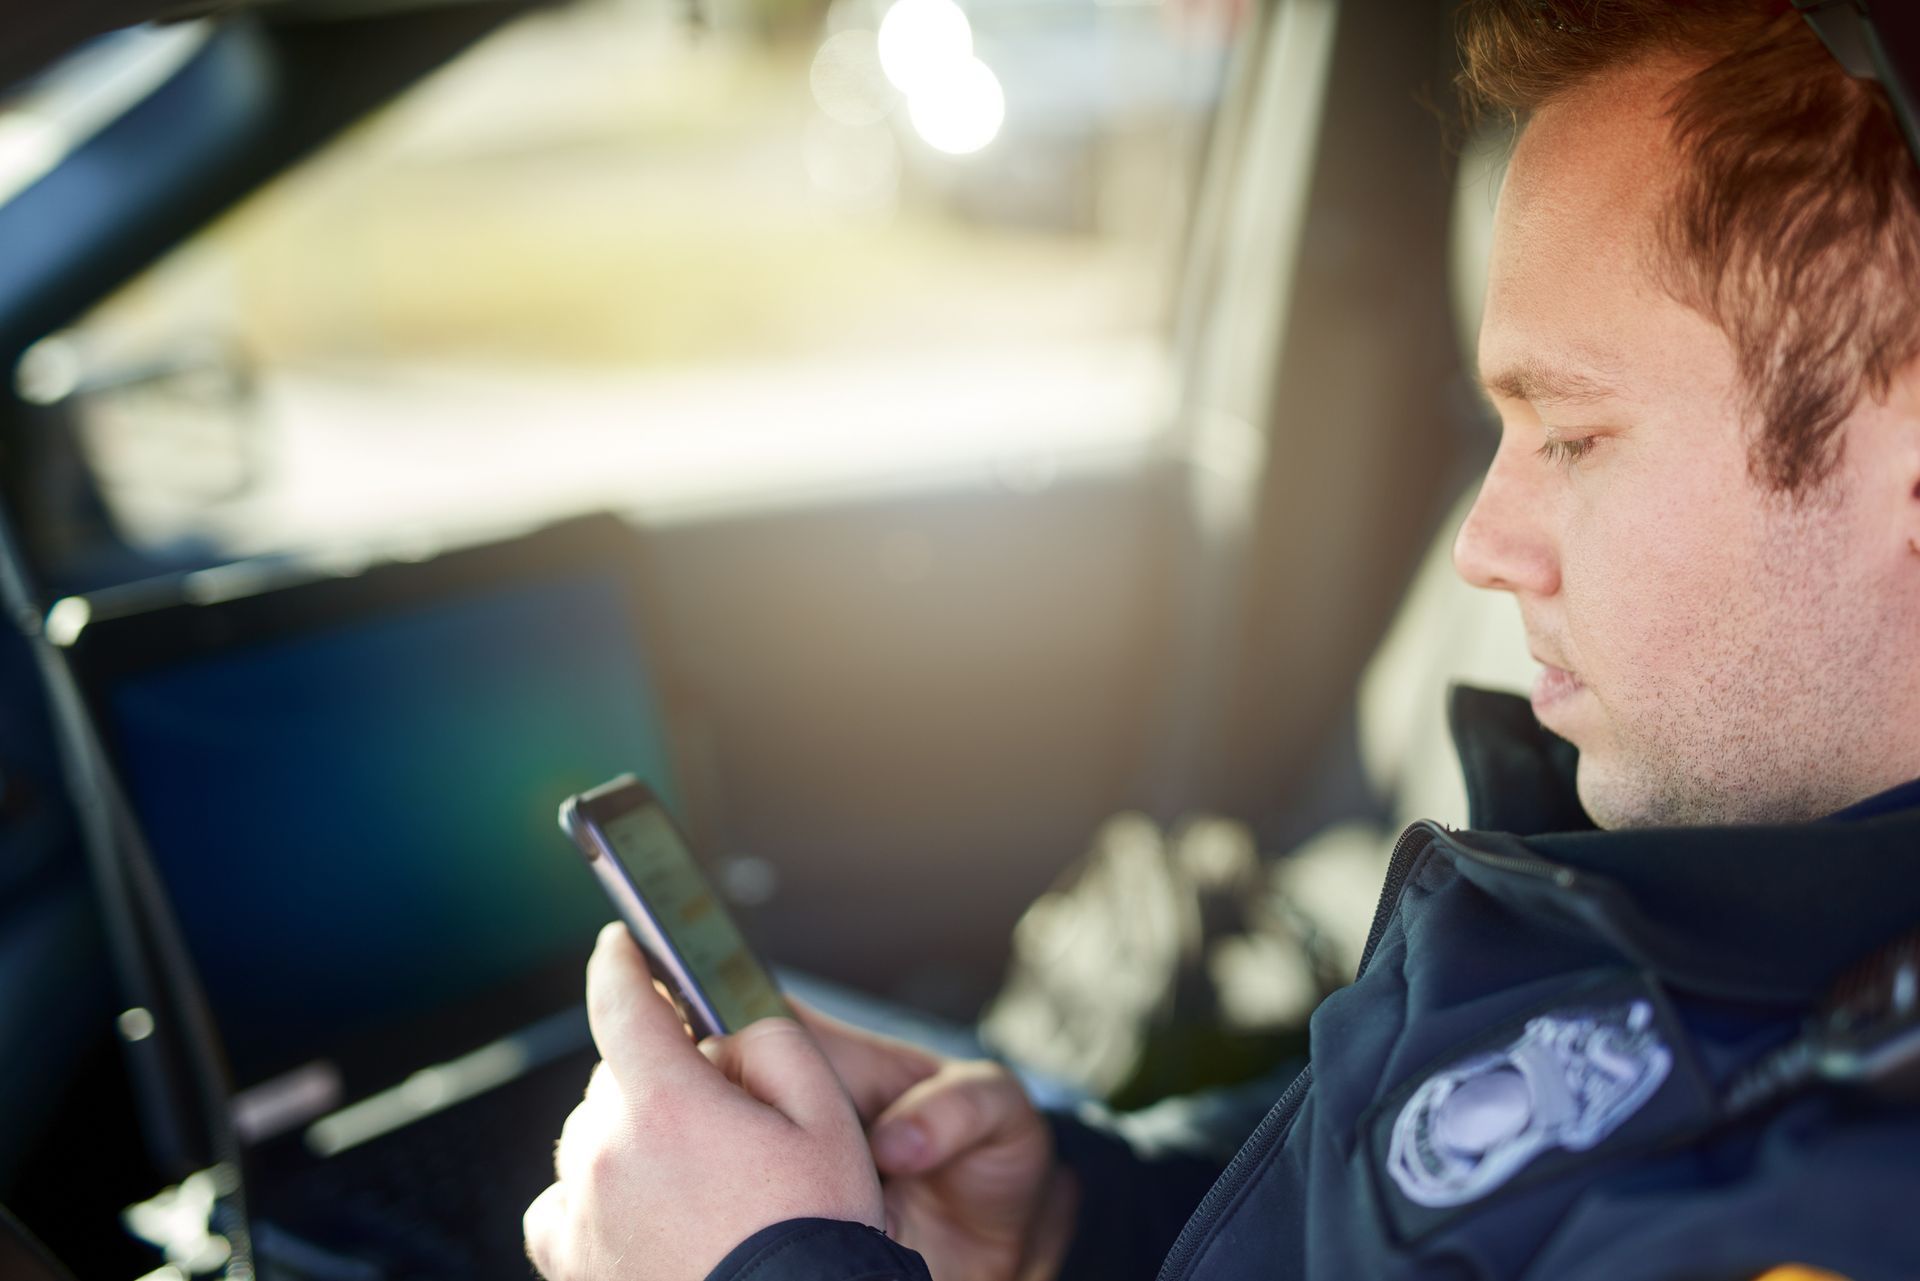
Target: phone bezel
[[584, 818]]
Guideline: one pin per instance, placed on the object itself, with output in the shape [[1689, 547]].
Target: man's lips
[[1554, 685]]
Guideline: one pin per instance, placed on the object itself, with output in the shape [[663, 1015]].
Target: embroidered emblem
[[1568, 1081]]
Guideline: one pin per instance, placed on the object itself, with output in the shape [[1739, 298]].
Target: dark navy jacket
[[1714, 943]]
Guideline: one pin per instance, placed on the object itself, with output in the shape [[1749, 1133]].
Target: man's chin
[[1616, 798], [1610, 800]]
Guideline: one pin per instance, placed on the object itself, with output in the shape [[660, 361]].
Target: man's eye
[[1566, 452]]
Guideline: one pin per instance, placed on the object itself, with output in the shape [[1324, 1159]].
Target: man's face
[[1718, 653]]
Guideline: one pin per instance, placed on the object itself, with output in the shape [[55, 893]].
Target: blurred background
[[1035, 416], [677, 263]]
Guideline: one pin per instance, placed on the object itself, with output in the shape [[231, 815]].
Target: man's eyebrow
[[1539, 382]]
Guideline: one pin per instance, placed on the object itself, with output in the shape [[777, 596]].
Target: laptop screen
[[355, 823]]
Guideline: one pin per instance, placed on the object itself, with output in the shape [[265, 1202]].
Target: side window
[[615, 256]]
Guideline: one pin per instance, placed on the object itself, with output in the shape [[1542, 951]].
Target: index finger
[[637, 1030]]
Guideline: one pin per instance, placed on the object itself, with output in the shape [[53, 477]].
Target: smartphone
[[644, 864]]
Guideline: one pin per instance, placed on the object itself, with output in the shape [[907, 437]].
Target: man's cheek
[[1632, 631]]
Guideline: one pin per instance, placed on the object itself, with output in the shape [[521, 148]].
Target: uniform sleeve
[[820, 1250], [1143, 1174], [1131, 1207]]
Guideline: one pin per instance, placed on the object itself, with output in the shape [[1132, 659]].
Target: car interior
[[989, 467]]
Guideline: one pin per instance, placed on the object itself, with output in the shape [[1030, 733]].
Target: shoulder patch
[[1567, 1081], [1569, 1088]]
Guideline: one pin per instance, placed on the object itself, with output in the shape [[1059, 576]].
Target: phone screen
[[696, 924]]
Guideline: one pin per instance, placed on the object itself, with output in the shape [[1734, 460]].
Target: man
[[1704, 347]]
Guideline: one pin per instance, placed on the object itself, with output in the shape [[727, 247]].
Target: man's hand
[[972, 1182], [676, 1156]]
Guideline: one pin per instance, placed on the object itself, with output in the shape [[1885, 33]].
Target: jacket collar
[[1770, 913]]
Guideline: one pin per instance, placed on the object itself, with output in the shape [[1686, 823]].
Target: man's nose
[[1503, 544]]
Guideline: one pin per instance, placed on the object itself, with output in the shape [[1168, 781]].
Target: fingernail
[[901, 1144]]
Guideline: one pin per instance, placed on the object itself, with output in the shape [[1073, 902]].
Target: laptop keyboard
[[441, 1198]]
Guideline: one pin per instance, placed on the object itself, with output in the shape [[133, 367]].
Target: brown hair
[[1796, 226]]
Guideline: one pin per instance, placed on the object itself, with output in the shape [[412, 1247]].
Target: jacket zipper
[[1525, 864], [1273, 1127], [1409, 847]]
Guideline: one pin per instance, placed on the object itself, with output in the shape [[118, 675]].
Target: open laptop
[[22, 1257], [346, 784]]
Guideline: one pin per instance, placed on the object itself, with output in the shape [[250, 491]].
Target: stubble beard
[[1795, 707]]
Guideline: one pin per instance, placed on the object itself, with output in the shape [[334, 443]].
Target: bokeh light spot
[[921, 41], [847, 80], [961, 111]]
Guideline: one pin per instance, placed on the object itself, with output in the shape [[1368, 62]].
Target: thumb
[[639, 1033], [776, 1062], [964, 1108]]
